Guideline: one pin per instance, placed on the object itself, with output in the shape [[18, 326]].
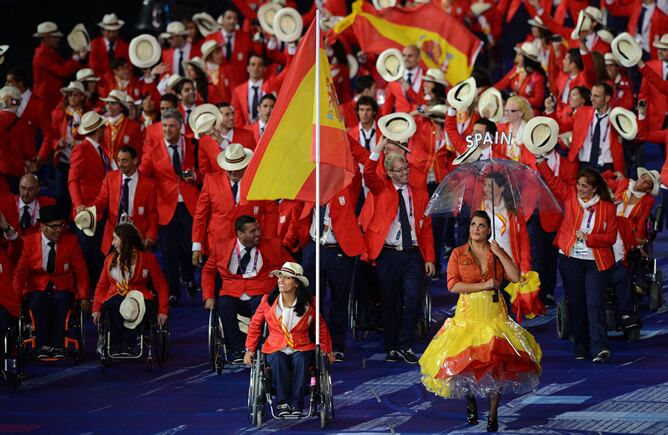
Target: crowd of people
[[142, 149]]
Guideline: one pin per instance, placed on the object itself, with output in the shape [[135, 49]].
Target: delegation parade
[[308, 171]]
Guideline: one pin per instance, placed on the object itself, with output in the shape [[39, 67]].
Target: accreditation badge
[[126, 139], [256, 210], [342, 200], [144, 273], [140, 210], [281, 219], [251, 274], [66, 267]]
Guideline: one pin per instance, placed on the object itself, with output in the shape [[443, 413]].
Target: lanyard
[[410, 200], [592, 127], [591, 214], [257, 252]]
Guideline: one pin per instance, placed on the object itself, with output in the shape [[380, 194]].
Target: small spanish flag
[[283, 166]]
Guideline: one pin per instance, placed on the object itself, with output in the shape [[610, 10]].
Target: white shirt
[[664, 70], [227, 139], [254, 265], [501, 226], [260, 93], [261, 127], [289, 319], [554, 162], [327, 235], [625, 211], [132, 188], [394, 236], [606, 155], [368, 135], [643, 36], [25, 97], [224, 44], [567, 89], [586, 225], [33, 210], [182, 152], [175, 59], [416, 78], [45, 251]]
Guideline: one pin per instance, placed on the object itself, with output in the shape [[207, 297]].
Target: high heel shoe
[[471, 411], [492, 425]]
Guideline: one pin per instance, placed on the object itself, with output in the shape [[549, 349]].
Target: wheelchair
[[150, 337], [647, 277], [13, 362], [217, 346], [75, 332]]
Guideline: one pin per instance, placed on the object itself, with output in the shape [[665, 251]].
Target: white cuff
[[452, 111], [197, 246], [374, 156], [272, 43]]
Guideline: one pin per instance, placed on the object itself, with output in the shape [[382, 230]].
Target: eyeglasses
[[56, 226], [400, 170], [511, 110]]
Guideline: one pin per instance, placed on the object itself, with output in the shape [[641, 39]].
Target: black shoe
[[296, 413], [408, 356], [392, 356], [580, 356], [492, 425], [173, 300], [339, 357], [471, 411], [602, 356], [629, 322], [283, 409], [44, 353], [57, 353]]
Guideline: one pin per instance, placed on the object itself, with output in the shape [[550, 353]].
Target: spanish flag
[[444, 42], [283, 166]]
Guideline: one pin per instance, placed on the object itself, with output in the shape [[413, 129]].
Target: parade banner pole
[[317, 178]]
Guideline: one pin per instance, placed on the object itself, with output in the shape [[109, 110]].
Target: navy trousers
[[90, 247], [228, 307], [544, 256], [401, 278], [586, 288], [291, 393], [50, 310], [176, 247], [336, 273], [620, 279]]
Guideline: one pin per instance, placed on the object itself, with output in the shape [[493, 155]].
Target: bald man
[[28, 203], [405, 94]]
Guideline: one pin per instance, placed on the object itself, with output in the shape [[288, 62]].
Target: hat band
[[290, 271], [457, 91], [619, 125], [237, 160], [542, 144], [95, 126]]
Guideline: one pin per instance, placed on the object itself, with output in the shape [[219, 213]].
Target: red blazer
[[255, 129], [11, 162], [580, 127], [49, 71], [71, 272], [276, 340], [240, 100], [59, 125], [657, 104], [135, 88], [10, 298], [8, 208], [424, 154], [344, 223], [87, 172], [288, 211], [129, 133], [530, 86], [397, 101], [658, 24], [658, 136], [637, 219], [604, 232], [242, 47], [42, 201], [168, 56], [147, 270], [215, 213], [98, 59], [586, 77], [157, 164], [386, 204], [209, 149], [273, 256], [599, 44], [349, 114], [34, 117], [144, 206], [622, 93]]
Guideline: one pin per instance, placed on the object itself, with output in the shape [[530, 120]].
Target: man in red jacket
[[237, 47], [28, 203], [657, 105], [49, 69], [52, 273], [120, 130], [243, 263], [171, 163], [400, 240], [246, 96], [108, 47], [267, 103], [405, 94]]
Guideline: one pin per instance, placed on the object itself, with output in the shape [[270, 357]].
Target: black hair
[[575, 57], [241, 222], [531, 65], [302, 298], [223, 104], [367, 101], [171, 98], [182, 83], [130, 242], [363, 83], [502, 182], [264, 61], [595, 179], [128, 149], [607, 89], [490, 126], [271, 97], [118, 62], [439, 91], [482, 214], [21, 76], [585, 93]]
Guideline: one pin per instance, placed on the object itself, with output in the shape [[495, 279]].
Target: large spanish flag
[[444, 42], [283, 166]]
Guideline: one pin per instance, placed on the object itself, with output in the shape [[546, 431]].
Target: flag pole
[[317, 178]]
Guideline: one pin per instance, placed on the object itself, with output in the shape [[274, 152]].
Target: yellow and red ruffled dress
[[480, 350]]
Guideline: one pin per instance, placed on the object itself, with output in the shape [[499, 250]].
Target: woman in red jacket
[[585, 239], [128, 267], [290, 316]]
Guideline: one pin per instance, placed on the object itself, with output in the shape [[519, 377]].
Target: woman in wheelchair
[[290, 315], [128, 267]]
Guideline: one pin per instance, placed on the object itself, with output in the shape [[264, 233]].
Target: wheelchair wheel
[[215, 343], [655, 296], [426, 312], [255, 406], [563, 320], [326, 395], [352, 313], [161, 337]]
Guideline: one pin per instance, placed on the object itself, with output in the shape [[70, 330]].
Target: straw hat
[[471, 154], [595, 14], [78, 38], [382, 4], [397, 127], [390, 65], [208, 47], [437, 111], [566, 138], [461, 96], [492, 100], [145, 51], [605, 35], [479, 8], [11, 91], [610, 59], [234, 158], [87, 75], [86, 220], [435, 75], [201, 110], [3, 50], [292, 270], [584, 24], [266, 14], [47, 28], [74, 86], [537, 22], [196, 62], [133, 309], [626, 50], [529, 50], [111, 22], [90, 122], [205, 122], [205, 23], [116, 96], [654, 175], [288, 25], [175, 28], [625, 122], [541, 134], [661, 44]]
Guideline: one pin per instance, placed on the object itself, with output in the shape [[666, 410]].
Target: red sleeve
[[325, 339], [21, 273], [504, 83], [102, 199], [373, 181], [81, 272], [606, 239], [57, 67], [538, 91], [456, 139], [209, 272], [255, 326], [454, 276], [644, 134], [653, 78], [78, 168], [153, 219], [555, 27], [560, 189], [589, 70], [525, 246], [102, 287], [202, 212], [202, 158], [159, 284]]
